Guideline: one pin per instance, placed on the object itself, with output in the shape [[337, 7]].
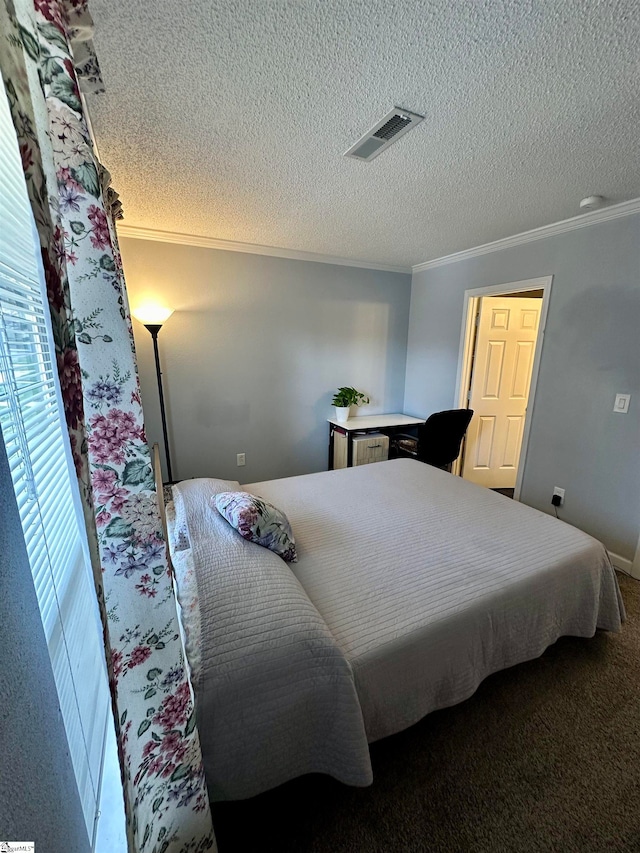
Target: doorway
[[500, 346]]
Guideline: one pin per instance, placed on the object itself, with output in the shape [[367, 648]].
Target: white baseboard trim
[[623, 564]]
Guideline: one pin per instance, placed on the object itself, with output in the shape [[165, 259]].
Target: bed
[[411, 587]]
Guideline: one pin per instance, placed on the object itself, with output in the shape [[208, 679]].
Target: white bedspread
[[275, 696], [429, 583], [411, 587]]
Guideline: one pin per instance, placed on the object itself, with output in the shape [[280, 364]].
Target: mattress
[[411, 587], [429, 583]]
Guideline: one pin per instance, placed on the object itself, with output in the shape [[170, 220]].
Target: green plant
[[348, 397]]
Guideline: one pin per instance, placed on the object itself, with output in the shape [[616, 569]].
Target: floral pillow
[[258, 521]]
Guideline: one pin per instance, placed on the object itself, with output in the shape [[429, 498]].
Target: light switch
[[622, 403]]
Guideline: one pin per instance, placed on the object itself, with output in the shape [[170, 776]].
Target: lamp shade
[[152, 313]]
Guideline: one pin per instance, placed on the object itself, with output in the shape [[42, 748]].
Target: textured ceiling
[[229, 119]]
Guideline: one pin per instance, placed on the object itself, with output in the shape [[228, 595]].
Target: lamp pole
[[154, 328]]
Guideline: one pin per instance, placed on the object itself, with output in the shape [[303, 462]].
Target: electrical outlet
[[622, 403], [559, 492], [241, 459]]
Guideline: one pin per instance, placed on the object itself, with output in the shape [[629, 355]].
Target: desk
[[367, 423]]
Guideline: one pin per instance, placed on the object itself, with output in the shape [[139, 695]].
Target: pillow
[[258, 521], [178, 530]]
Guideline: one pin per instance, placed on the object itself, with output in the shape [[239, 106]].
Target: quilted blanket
[[429, 583], [411, 587], [275, 696]]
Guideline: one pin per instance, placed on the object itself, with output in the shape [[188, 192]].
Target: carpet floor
[[506, 492], [544, 757]]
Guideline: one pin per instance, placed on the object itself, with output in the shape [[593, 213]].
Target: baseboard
[[623, 564]]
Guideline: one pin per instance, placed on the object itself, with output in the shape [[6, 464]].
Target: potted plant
[[343, 399]]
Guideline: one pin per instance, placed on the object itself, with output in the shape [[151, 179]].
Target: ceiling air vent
[[385, 133]]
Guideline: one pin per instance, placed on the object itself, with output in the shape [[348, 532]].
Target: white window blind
[[44, 481]]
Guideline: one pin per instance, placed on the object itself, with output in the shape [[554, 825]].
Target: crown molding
[[594, 217], [136, 233]]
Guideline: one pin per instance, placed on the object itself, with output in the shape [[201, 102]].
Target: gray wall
[[39, 800], [255, 349], [591, 351]]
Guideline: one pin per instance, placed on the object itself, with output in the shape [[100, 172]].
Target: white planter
[[342, 413]]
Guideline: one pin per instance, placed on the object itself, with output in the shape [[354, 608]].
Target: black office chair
[[439, 439]]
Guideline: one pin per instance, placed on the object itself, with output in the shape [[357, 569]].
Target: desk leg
[[330, 465], [349, 449]]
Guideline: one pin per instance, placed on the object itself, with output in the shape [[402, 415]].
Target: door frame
[[466, 350]]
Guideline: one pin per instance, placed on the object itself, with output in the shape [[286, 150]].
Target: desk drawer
[[373, 447]]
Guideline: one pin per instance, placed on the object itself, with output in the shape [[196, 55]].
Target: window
[[44, 480]]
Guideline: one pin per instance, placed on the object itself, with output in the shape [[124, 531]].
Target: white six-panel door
[[505, 347]]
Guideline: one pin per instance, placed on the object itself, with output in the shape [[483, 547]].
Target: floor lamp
[[153, 317]]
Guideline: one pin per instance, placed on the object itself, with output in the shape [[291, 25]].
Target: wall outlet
[[560, 493], [241, 459], [621, 403]]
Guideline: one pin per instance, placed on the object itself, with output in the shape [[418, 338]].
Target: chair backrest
[[440, 438]]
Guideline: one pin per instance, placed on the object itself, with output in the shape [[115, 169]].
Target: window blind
[[44, 480]]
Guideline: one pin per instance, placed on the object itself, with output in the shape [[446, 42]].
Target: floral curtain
[[74, 208]]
